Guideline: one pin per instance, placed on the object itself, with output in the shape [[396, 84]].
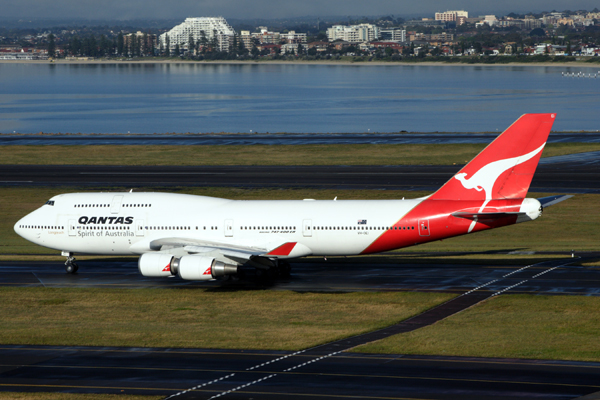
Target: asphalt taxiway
[[336, 274], [570, 175], [227, 374]]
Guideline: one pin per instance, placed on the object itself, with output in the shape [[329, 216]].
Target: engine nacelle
[[156, 264], [201, 268]]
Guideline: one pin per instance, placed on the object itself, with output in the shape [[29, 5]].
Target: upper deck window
[[50, 202]]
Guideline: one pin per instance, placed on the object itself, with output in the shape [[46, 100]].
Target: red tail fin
[[504, 169]]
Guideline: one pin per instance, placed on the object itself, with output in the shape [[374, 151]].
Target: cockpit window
[[50, 202]]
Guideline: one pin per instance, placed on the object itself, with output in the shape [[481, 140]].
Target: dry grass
[[199, 318], [509, 326], [347, 154]]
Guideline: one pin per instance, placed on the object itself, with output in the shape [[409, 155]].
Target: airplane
[[205, 238]]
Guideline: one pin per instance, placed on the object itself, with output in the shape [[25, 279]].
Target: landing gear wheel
[[71, 267], [285, 269]]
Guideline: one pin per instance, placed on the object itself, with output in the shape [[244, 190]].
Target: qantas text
[[106, 220]]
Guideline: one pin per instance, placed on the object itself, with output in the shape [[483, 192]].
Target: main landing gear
[[70, 265]]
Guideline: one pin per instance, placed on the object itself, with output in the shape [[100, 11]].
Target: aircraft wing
[[552, 200], [237, 252]]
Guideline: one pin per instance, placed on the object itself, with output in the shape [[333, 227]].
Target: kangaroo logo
[[486, 177]]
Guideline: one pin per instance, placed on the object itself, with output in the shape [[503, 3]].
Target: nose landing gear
[[70, 265]]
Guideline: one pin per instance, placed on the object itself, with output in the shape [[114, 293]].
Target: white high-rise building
[[212, 27], [353, 34], [450, 15], [395, 34]]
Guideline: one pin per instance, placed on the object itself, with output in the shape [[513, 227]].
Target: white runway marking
[[275, 360], [199, 386], [508, 288], [243, 386]]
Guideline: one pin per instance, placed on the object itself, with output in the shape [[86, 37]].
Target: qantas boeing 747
[[205, 238]]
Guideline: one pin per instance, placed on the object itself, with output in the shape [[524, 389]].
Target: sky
[[268, 9]]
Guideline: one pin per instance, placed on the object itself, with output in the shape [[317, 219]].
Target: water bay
[[186, 97]]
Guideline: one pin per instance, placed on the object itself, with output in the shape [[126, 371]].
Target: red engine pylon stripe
[[283, 250]]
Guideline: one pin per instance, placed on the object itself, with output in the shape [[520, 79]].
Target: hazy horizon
[[123, 10]]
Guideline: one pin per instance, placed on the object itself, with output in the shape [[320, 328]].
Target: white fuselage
[[128, 223]]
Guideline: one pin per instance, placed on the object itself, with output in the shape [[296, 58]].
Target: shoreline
[[4, 135], [580, 64]]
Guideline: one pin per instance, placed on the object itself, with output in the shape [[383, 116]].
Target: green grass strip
[[346, 154], [509, 326], [227, 319]]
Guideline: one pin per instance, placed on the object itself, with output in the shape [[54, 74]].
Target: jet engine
[[155, 264], [193, 267]]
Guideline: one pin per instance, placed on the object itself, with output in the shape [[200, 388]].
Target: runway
[[324, 372], [334, 274], [568, 175], [239, 375]]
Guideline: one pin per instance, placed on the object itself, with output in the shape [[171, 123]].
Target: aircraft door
[[307, 228], [72, 227], [139, 227], [229, 227], [115, 206], [424, 227]]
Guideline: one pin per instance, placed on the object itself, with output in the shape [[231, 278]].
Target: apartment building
[[354, 33], [196, 28], [393, 34]]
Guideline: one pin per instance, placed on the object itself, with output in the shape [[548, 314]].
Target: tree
[[137, 48], [568, 51], [51, 46], [242, 48], [388, 51], [177, 50], [537, 32], [191, 44], [104, 46], [144, 46], [203, 41], [120, 44], [75, 46], [214, 42], [150, 40], [167, 46], [234, 47]]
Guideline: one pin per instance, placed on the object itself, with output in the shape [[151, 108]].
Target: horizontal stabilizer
[[485, 215], [552, 200]]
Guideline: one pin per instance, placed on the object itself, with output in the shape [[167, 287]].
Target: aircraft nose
[[19, 226]]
